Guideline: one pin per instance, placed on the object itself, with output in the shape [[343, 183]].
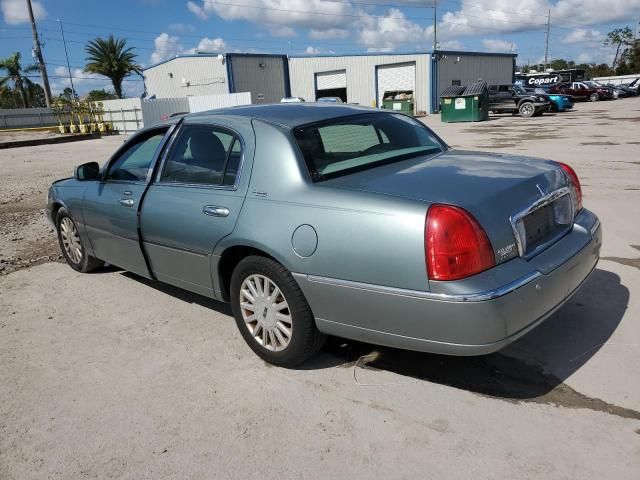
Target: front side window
[[133, 164], [345, 145], [203, 155]]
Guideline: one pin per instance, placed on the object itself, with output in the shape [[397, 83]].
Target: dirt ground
[[111, 376]]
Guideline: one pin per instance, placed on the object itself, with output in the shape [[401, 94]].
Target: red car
[[582, 91]]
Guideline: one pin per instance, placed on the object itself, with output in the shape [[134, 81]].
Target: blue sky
[[160, 29]]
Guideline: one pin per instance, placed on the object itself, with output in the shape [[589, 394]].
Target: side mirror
[[87, 171]]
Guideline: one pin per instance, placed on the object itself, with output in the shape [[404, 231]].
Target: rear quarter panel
[[360, 236]]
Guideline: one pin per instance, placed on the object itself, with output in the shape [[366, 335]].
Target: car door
[[110, 206], [193, 203]]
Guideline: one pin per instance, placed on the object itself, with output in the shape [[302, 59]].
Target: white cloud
[[584, 58], [329, 33], [211, 45], [451, 45], [293, 13], [312, 50], [15, 12], [166, 47], [585, 36], [82, 82], [386, 33], [495, 45], [283, 32]]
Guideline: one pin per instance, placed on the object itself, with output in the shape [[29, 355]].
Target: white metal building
[[265, 76], [361, 79]]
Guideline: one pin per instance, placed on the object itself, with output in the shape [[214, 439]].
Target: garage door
[[331, 80], [399, 76]]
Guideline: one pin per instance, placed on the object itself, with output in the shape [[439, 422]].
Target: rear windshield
[[345, 145]]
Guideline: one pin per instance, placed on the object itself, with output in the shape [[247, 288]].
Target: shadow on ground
[[531, 369]]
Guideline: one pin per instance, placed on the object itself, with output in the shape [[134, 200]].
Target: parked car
[[515, 99], [634, 86], [559, 102], [330, 100], [582, 91], [292, 100], [315, 220], [622, 91]]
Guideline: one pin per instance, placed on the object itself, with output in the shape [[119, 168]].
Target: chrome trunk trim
[[516, 220]]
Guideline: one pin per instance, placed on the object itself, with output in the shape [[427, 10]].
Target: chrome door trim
[[444, 297]]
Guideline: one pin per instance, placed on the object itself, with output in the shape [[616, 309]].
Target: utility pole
[[38, 51], [546, 48], [66, 54], [435, 25]]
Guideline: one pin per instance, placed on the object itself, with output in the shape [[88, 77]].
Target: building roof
[[288, 115], [212, 54]]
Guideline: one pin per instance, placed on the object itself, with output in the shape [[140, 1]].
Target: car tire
[[594, 97], [278, 326], [553, 108], [526, 109], [73, 250]]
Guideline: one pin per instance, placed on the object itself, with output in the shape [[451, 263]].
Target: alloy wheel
[[266, 312], [71, 240]]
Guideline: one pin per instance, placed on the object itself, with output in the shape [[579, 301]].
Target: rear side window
[[203, 155]]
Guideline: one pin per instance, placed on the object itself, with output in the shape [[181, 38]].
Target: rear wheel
[[553, 108], [71, 244], [526, 109], [594, 97], [272, 314]]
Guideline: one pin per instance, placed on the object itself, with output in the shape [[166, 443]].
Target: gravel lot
[[111, 376]]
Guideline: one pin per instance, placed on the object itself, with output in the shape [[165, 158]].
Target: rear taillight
[[574, 183], [455, 244]]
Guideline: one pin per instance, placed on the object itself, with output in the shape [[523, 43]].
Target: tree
[[621, 38], [67, 96], [100, 95], [36, 96], [16, 75], [113, 59]]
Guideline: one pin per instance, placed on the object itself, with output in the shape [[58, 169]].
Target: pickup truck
[[515, 99], [582, 91]]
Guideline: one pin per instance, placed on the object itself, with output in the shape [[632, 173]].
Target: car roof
[[288, 115]]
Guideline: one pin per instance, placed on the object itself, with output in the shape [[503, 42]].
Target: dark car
[[515, 99], [583, 91], [634, 86], [559, 102]]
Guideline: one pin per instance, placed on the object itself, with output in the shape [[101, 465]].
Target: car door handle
[[215, 211], [126, 202]]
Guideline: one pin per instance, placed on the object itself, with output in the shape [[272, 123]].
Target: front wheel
[[272, 314], [71, 244], [526, 109], [594, 97]]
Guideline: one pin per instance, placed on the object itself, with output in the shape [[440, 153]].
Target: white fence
[[129, 114], [617, 79]]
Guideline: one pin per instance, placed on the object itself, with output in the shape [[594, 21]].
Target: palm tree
[[111, 58], [15, 74]]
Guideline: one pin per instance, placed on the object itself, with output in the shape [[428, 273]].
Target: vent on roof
[[476, 88], [453, 91]]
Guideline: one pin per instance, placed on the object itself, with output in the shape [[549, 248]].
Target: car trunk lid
[[493, 187]]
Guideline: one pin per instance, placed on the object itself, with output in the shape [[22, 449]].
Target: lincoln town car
[[328, 219]]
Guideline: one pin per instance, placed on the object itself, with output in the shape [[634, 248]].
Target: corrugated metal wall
[[28, 117], [361, 76], [469, 68], [184, 76], [263, 76], [211, 102]]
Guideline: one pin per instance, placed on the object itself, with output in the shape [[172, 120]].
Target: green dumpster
[[460, 104], [399, 100]]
